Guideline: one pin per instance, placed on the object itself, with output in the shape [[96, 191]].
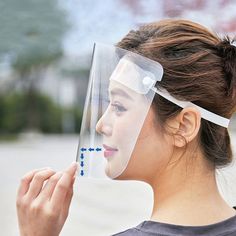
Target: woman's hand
[[43, 201]]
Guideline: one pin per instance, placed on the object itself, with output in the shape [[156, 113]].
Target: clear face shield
[[119, 96], [118, 100]]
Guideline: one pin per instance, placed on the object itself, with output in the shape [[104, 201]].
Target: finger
[[71, 170], [68, 199], [49, 187], [25, 181], [37, 182], [63, 187]]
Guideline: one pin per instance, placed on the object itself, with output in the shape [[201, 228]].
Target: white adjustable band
[[207, 115]]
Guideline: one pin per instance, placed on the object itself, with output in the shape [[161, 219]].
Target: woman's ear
[[186, 124]]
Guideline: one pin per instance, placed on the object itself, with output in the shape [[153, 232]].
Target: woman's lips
[[109, 151]]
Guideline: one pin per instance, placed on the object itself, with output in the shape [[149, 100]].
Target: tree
[[31, 34]]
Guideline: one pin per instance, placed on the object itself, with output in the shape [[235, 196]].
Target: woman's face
[[134, 146]]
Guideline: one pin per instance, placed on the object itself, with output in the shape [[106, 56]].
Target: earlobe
[[189, 121]]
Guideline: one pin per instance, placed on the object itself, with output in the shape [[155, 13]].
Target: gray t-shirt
[[152, 228]]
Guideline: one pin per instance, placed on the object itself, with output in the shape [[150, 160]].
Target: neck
[[188, 196]]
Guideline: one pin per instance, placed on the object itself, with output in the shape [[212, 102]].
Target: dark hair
[[198, 67]]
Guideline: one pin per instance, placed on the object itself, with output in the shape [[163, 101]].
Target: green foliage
[[13, 113], [78, 113], [31, 32], [16, 115]]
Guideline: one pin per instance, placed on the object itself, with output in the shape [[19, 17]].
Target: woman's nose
[[103, 128]]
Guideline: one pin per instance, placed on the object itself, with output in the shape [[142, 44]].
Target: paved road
[[97, 208]]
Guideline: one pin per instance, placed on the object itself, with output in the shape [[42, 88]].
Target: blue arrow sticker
[[83, 149], [81, 163], [82, 156]]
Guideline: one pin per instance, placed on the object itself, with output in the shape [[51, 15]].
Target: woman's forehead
[[116, 88]]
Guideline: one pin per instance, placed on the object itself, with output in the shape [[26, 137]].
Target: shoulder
[[132, 231], [150, 228], [128, 232]]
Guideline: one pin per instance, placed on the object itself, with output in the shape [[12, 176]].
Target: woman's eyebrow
[[120, 92]]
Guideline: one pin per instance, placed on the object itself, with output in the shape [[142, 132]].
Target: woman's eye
[[118, 108]]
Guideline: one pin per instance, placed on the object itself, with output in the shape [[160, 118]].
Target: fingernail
[[74, 165]]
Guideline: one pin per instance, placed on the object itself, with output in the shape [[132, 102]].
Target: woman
[[182, 151]]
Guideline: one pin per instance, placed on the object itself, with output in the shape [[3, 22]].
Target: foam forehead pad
[[138, 76]]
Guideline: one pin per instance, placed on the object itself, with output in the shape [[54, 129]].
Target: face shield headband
[[148, 84]]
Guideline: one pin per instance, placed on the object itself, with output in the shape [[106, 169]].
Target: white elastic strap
[[207, 115]]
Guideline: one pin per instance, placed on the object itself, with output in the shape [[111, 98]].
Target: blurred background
[[45, 55]]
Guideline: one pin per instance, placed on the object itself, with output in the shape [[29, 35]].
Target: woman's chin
[[114, 174], [125, 176]]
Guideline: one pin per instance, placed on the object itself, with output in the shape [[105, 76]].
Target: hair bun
[[227, 51]]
